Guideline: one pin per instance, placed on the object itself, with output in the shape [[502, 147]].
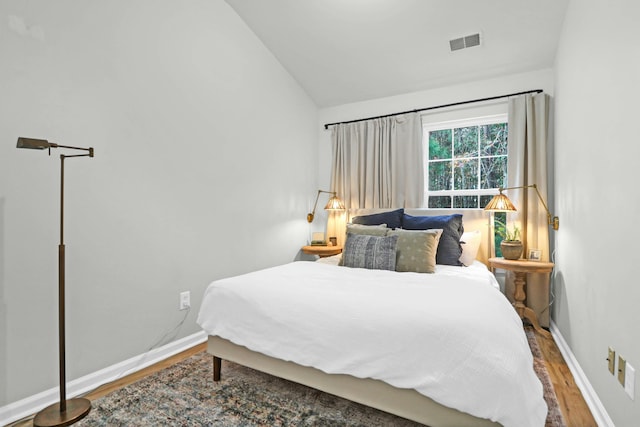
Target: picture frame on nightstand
[[535, 254]]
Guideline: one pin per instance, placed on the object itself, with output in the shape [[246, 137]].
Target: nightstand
[[520, 268], [322, 251]]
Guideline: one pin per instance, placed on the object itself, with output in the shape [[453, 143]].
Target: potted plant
[[511, 245]]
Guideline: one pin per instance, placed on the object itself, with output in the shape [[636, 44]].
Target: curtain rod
[[326, 126]]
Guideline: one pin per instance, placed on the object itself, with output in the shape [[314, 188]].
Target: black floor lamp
[[66, 411]]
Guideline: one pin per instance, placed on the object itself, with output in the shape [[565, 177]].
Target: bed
[[442, 349]]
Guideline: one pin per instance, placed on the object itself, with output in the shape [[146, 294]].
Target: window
[[466, 161]]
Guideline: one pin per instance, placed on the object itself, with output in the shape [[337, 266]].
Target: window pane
[[465, 142], [460, 202], [493, 140], [440, 144], [498, 219], [436, 202], [465, 174], [493, 172], [484, 200], [439, 176]]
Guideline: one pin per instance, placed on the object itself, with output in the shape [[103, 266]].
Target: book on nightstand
[[317, 239]]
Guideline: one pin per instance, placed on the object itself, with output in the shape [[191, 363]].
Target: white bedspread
[[451, 336]]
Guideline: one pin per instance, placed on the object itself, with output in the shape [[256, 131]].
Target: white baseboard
[[32, 404], [593, 401]]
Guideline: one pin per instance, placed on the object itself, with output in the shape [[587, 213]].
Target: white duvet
[[451, 336]]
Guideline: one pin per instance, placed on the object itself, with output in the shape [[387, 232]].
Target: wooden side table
[[520, 268], [322, 251]]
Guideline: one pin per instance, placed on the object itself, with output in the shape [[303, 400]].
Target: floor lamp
[[66, 411]]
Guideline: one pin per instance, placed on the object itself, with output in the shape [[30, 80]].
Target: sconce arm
[[312, 214], [552, 220]]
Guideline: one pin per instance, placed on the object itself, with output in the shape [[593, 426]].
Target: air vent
[[465, 42]]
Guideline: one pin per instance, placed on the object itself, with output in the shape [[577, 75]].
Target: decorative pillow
[[372, 252], [416, 250], [470, 242], [449, 248], [393, 219], [370, 230]]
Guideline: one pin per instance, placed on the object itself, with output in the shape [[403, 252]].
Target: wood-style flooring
[[572, 404], [574, 408]]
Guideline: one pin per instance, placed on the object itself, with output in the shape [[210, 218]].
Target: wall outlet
[[621, 369], [612, 361], [185, 300], [630, 381]]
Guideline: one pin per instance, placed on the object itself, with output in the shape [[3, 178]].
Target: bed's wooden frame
[[374, 393]]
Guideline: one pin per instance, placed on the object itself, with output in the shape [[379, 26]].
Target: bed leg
[[217, 363]]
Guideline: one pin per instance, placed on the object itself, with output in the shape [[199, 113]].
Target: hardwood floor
[[129, 379], [574, 408]]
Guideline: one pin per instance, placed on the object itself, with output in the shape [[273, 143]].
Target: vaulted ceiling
[[343, 51]]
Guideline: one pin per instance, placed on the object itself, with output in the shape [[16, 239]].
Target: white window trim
[[449, 124]]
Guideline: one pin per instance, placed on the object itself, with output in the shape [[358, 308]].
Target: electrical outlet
[[612, 361], [622, 364], [185, 300], [630, 381]]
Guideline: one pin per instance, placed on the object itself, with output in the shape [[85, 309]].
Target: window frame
[[452, 124]]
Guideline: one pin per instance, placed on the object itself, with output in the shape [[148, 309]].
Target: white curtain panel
[[376, 162], [527, 164]]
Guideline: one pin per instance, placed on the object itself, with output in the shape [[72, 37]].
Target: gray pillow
[[370, 230], [372, 252], [416, 250]]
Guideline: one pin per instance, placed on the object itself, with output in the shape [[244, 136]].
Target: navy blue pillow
[[449, 248], [393, 219]]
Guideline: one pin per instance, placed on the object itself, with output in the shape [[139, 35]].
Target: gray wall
[[596, 165], [204, 169]]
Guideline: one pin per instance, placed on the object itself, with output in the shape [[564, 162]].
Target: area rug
[[185, 395], [554, 414]]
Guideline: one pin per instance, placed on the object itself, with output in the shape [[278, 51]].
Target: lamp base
[[51, 416]]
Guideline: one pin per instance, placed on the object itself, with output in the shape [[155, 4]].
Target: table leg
[[523, 311]]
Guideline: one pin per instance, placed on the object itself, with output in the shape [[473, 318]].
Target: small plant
[[507, 235]]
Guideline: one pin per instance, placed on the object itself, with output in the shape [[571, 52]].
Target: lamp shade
[[334, 204], [34, 144], [500, 203]]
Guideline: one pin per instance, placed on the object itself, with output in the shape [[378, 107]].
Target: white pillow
[[470, 242]]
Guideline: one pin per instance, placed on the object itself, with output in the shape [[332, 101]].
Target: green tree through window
[[466, 162]]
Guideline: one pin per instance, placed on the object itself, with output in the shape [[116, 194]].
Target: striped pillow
[[372, 252]]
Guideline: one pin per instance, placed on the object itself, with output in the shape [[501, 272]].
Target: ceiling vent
[[465, 42]]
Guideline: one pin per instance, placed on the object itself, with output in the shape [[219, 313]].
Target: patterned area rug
[[554, 415], [185, 395]]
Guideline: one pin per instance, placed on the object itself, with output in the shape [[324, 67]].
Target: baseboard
[[593, 401], [32, 404]]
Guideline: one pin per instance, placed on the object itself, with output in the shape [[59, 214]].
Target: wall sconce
[[334, 204], [501, 203]]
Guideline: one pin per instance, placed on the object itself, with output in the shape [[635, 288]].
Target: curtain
[[378, 163], [526, 165]]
